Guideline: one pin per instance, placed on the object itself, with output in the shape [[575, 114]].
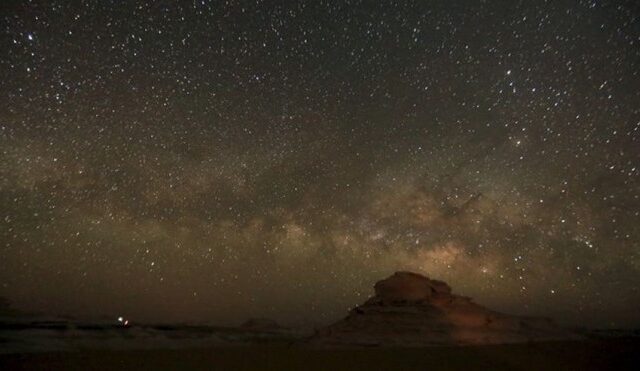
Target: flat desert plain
[[600, 354]]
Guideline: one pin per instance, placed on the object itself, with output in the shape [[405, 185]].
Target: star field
[[214, 161]]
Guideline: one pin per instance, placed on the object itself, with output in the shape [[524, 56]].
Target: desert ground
[[602, 354]]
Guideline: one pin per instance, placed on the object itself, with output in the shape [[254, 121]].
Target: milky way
[[214, 161]]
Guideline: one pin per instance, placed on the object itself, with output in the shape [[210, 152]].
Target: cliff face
[[409, 309]]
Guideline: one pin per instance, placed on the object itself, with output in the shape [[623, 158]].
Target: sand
[[603, 354]]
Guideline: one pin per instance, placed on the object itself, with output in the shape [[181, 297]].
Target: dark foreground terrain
[[601, 354]]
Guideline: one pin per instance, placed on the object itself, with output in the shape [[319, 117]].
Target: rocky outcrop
[[409, 309]]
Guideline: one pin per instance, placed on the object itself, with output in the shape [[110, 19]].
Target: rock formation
[[412, 310]]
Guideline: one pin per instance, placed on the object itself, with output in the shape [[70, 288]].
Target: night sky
[[215, 161]]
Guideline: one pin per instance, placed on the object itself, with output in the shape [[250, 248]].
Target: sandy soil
[[613, 354]]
